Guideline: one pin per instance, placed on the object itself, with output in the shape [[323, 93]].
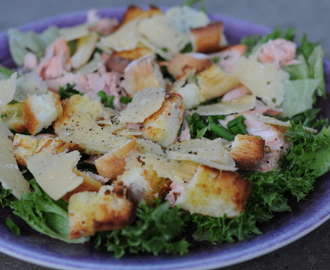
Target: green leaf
[[20, 43], [156, 230], [315, 62], [44, 215], [298, 96]]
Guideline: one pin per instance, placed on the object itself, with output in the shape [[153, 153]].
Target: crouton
[[214, 82], [111, 208], [215, 193], [12, 116], [142, 73], [88, 184], [24, 147], [247, 151], [134, 54], [162, 126], [134, 12], [40, 111], [209, 38], [143, 180], [197, 61], [113, 163]]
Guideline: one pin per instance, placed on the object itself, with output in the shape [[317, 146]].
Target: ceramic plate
[[284, 229]]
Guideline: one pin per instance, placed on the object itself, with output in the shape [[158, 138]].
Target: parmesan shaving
[[10, 177], [54, 172], [211, 153], [144, 103], [236, 105], [264, 80], [7, 87]]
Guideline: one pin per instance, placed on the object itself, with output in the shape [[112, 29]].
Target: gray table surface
[[308, 16]]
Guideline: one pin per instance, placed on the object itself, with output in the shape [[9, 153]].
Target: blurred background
[[308, 16]]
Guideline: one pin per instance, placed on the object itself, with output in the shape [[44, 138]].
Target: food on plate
[[146, 133]]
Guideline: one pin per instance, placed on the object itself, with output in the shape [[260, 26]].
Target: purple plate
[[285, 228]]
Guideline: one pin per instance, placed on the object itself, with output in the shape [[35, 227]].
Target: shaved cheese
[[10, 176], [148, 146], [144, 103], [158, 31], [74, 32], [277, 122], [178, 171], [264, 80], [85, 48], [92, 66], [54, 172], [7, 87], [207, 152], [191, 95], [29, 84], [236, 105], [93, 138], [124, 39], [185, 18]]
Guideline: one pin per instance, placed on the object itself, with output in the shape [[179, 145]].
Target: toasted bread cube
[[113, 163], [24, 146], [197, 61], [89, 184], [214, 193], [56, 144], [162, 126], [134, 54], [40, 111], [109, 209], [209, 38], [247, 151], [143, 180], [142, 73], [134, 12], [214, 82], [12, 116]]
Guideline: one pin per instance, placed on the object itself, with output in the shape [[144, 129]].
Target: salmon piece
[[279, 52], [229, 56], [30, 61], [56, 61], [237, 92]]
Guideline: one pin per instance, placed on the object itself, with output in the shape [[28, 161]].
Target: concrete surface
[[308, 16]]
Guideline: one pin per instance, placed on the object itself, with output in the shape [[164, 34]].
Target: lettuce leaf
[[44, 215], [307, 159], [298, 96], [6, 197], [154, 230], [20, 43]]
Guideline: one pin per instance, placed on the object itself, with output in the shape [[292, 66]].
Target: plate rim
[[304, 230]]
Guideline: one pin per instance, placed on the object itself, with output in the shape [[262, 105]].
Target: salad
[[142, 135]]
